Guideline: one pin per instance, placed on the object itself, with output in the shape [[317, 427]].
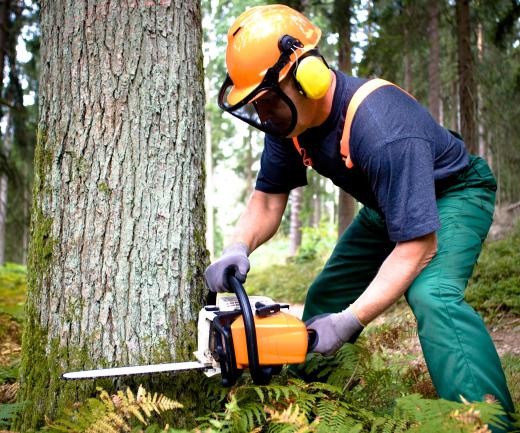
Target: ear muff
[[313, 76]]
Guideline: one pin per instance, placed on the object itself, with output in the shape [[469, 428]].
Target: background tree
[[434, 90], [117, 234], [467, 90], [340, 23]]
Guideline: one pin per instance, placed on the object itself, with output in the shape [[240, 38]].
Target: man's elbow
[[419, 251], [430, 249]]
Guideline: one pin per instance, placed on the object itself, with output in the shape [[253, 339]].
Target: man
[[427, 204]]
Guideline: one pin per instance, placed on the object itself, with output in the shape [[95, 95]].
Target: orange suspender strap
[[358, 97], [307, 161], [356, 100]]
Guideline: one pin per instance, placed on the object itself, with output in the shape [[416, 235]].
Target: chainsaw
[[236, 333]]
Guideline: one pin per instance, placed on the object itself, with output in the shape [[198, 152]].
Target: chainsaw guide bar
[[238, 332]]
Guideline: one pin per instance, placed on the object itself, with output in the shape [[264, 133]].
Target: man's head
[[276, 77]]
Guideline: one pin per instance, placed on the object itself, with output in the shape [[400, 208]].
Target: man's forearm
[[396, 274]]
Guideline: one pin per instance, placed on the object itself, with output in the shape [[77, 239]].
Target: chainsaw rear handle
[[260, 375]]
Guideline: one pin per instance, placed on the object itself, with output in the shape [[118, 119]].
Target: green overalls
[[459, 353]]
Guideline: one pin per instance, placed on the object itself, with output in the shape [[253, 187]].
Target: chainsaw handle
[[312, 340], [261, 376]]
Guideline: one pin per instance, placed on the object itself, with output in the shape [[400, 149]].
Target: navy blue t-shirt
[[398, 150]]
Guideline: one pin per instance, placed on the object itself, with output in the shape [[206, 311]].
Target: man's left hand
[[334, 329]]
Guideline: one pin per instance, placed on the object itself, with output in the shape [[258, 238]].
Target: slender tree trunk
[[248, 145], [467, 89], [407, 61], [316, 201], [117, 248], [6, 150], [455, 124], [5, 6], [481, 132], [295, 228], [434, 94], [342, 14]]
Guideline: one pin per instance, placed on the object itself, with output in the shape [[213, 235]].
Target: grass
[[13, 290], [494, 289]]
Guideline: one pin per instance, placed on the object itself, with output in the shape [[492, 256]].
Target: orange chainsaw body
[[281, 338]]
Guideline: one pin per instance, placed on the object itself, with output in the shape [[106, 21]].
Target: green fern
[[8, 412], [112, 414]]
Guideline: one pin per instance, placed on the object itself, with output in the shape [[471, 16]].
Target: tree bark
[[434, 94], [117, 248], [342, 14], [467, 91]]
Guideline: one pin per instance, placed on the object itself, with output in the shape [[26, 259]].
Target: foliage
[[8, 412], [289, 406], [494, 289], [285, 282], [317, 242], [511, 363], [9, 373], [112, 414], [13, 289]]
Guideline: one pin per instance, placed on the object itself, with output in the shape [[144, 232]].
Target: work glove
[[233, 260], [334, 329]]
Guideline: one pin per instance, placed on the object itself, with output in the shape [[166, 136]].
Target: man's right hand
[[234, 259]]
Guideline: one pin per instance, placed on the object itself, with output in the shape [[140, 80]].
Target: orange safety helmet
[[253, 45]]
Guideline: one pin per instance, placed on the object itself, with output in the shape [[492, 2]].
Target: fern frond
[[8, 412], [291, 419], [113, 414]]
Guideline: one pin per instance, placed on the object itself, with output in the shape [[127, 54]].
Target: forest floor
[[505, 333], [394, 334]]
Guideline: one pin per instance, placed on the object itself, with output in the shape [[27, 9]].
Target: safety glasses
[[267, 107]]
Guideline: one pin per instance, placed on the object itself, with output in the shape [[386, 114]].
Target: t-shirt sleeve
[[281, 167], [401, 174]]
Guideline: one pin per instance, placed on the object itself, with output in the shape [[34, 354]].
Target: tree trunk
[[316, 201], [4, 141], [295, 227], [342, 15], [481, 132], [117, 248], [6, 150], [407, 61], [467, 92], [434, 94], [248, 146], [455, 108]]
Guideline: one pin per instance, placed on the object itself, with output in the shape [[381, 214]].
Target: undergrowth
[[494, 289], [13, 289], [291, 405]]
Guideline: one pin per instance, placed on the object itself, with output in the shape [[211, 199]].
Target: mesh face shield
[[266, 108]]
